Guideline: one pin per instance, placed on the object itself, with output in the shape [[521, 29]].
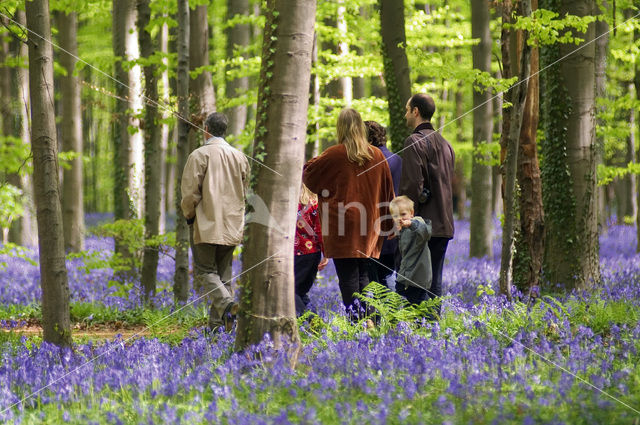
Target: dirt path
[[98, 331]]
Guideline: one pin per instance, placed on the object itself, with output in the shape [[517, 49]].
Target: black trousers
[[380, 269], [438, 248], [353, 276], [305, 269]]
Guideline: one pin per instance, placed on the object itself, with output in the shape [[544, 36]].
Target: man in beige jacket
[[214, 184]]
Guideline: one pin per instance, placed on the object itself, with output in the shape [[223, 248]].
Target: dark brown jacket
[[353, 202], [427, 153]]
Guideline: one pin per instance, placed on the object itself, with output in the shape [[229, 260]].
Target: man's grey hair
[[216, 124]]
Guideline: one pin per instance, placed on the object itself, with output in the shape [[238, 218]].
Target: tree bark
[[511, 140], [129, 152], [202, 92], [165, 131], [239, 35], [267, 303], [481, 239], [602, 48], [56, 323], [24, 230], [152, 154], [572, 257], [396, 68], [71, 133], [181, 274], [345, 82]]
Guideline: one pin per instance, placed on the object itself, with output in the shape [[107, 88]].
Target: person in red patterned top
[[308, 247]]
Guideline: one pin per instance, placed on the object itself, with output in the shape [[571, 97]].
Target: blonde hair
[[307, 196], [352, 133], [400, 203]]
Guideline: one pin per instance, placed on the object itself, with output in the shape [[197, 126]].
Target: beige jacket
[[214, 184]]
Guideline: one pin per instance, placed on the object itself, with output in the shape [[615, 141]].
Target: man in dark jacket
[[427, 172]]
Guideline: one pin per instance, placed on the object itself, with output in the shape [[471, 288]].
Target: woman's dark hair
[[376, 134], [425, 104]]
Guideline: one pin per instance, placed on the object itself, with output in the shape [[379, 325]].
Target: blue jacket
[[395, 165]]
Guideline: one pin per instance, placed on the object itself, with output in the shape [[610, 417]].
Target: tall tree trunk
[[165, 131], [481, 240], [239, 35], [569, 181], [636, 83], [396, 68], [202, 92], [346, 83], [530, 239], [56, 323], [602, 48], [24, 230], [181, 274], [152, 154], [267, 304], [128, 140], [71, 133], [511, 140]]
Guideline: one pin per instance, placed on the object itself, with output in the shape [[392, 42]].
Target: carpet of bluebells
[[568, 359]]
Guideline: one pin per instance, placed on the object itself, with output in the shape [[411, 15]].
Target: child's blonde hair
[[307, 196], [401, 203]]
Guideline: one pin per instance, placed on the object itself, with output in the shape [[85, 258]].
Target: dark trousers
[[438, 248], [380, 269], [353, 276], [305, 269]]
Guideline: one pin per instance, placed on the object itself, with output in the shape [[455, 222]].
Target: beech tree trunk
[[572, 257], [165, 131], [202, 93], [345, 82], [481, 217], [239, 37], [56, 323], [511, 139], [267, 290], [396, 69], [71, 134], [128, 139], [24, 230], [181, 274], [602, 48], [152, 154]]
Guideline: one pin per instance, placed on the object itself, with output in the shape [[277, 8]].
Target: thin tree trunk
[[267, 304], [481, 240], [512, 141], [396, 68], [239, 35], [129, 153], [56, 323], [71, 133], [202, 92], [152, 153], [346, 83], [530, 240], [24, 230], [602, 47], [165, 131], [181, 274]]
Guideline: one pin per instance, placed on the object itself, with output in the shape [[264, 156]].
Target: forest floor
[[83, 331]]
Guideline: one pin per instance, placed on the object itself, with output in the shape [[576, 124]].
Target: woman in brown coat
[[354, 187]]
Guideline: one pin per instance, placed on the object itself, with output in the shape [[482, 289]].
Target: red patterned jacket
[[308, 230]]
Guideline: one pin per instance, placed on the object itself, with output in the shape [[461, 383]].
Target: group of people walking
[[371, 211]]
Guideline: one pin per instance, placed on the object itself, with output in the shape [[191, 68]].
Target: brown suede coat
[[354, 209]]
